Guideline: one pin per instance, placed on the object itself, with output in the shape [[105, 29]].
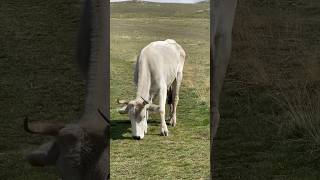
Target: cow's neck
[[98, 91], [144, 82], [97, 81], [97, 88]]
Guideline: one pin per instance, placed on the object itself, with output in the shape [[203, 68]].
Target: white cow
[[222, 16], [158, 67]]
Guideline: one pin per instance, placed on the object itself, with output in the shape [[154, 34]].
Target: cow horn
[[145, 102], [122, 101], [42, 128], [103, 116]]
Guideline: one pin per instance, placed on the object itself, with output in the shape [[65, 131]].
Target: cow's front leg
[[162, 103], [145, 123]]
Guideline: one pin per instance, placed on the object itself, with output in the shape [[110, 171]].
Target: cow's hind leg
[[162, 104], [175, 98], [169, 101]]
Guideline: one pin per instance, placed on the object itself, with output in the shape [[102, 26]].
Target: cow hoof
[[164, 132], [173, 122]]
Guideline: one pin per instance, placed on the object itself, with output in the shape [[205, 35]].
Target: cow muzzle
[[136, 137]]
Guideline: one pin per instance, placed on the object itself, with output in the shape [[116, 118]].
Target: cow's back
[[161, 60]]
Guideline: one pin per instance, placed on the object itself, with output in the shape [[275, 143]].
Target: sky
[[166, 1]]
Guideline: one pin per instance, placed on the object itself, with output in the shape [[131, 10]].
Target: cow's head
[[138, 114], [74, 150]]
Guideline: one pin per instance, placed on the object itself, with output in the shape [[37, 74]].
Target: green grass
[[37, 77], [185, 153], [275, 54]]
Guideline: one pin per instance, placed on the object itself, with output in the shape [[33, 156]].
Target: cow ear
[[123, 110], [46, 154], [140, 106], [153, 108]]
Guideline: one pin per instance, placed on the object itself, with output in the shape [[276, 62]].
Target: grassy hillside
[[270, 108], [185, 153]]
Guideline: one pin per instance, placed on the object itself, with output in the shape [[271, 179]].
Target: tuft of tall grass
[[302, 106]]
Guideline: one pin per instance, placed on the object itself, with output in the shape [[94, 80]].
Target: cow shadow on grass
[[119, 128]]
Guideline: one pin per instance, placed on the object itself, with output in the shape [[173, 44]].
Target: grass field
[[185, 153], [270, 106]]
